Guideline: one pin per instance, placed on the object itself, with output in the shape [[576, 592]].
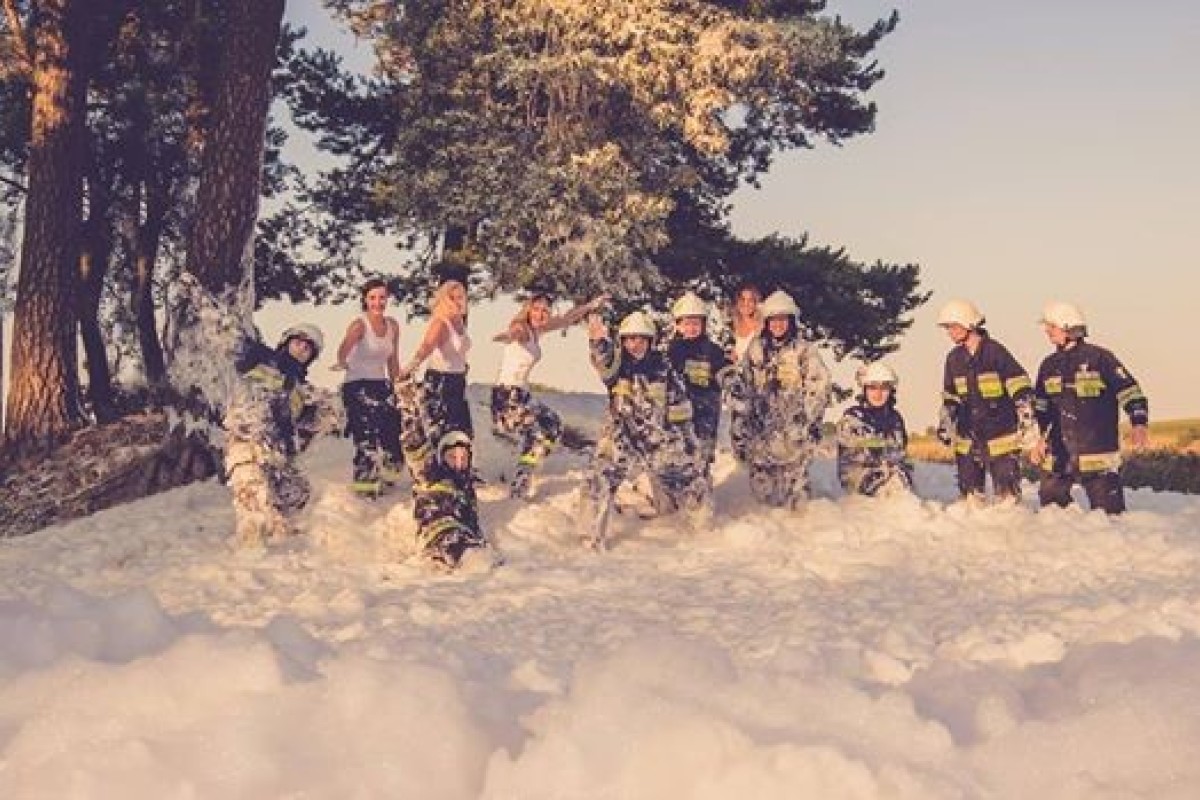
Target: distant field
[[1172, 463], [1172, 436]]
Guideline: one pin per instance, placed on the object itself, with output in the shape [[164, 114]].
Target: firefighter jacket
[[272, 404], [987, 398], [646, 397], [704, 367], [783, 385], [1078, 393], [445, 505], [871, 439]]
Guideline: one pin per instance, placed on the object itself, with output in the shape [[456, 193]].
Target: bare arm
[[577, 314], [518, 331], [393, 362], [434, 334], [354, 335]]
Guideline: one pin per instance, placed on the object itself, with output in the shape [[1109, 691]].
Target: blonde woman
[[443, 350], [746, 320], [515, 412], [746, 323]]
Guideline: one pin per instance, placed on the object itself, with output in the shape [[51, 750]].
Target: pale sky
[[1023, 152]]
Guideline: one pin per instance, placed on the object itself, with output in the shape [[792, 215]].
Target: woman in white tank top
[[746, 321], [369, 354], [445, 346], [746, 324], [515, 413]]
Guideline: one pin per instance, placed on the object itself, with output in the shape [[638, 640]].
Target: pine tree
[[43, 402], [587, 146]]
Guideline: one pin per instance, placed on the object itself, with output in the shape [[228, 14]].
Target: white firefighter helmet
[[960, 312], [309, 333], [454, 438], [637, 323], [877, 372], [689, 305], [1065, 316], [778, 304]]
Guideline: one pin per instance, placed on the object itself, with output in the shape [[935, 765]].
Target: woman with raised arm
[[535, 427], [369, 353], [445, 346]]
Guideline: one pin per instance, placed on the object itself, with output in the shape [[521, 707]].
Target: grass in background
[[1170, 464]]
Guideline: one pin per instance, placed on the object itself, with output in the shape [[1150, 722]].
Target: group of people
[[1065, 422], [665, 401], [665, 407]]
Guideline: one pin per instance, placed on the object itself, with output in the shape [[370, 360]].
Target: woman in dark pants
[[369, 353], [443, 350]]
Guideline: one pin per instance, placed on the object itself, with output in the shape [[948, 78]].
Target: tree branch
[[17, 32]]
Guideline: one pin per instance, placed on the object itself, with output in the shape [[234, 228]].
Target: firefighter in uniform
[[648, 429], [779, 392], [273, 415], [1080, 389], [703, 365], [987, 406], [445, 506], [872, 439]]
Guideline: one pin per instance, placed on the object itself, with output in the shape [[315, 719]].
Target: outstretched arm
[[321, 413], [605, 358], [577, 314], [518, 331]]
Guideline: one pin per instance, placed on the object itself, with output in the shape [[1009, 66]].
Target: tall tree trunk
[[95, 251], [231, 169], [210, 306], [145, 253], [43, 400]]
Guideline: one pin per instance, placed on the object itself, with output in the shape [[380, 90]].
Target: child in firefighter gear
[[274, 413], [648, 429], [1079, 390], [779, 392], [704, 367], [871, 438], [987, 406], [444, 503], [515, 413], [369, 354]]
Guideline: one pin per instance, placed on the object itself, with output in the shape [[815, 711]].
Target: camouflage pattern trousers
[[777, 449], [781, 484], [267, 489], [706, 419], [535, 427], [882, 478], [445, 404], [374, 423], [678, 477]]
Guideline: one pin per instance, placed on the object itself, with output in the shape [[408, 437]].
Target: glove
[[945, 428], [1028, 435], [815, 433]]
